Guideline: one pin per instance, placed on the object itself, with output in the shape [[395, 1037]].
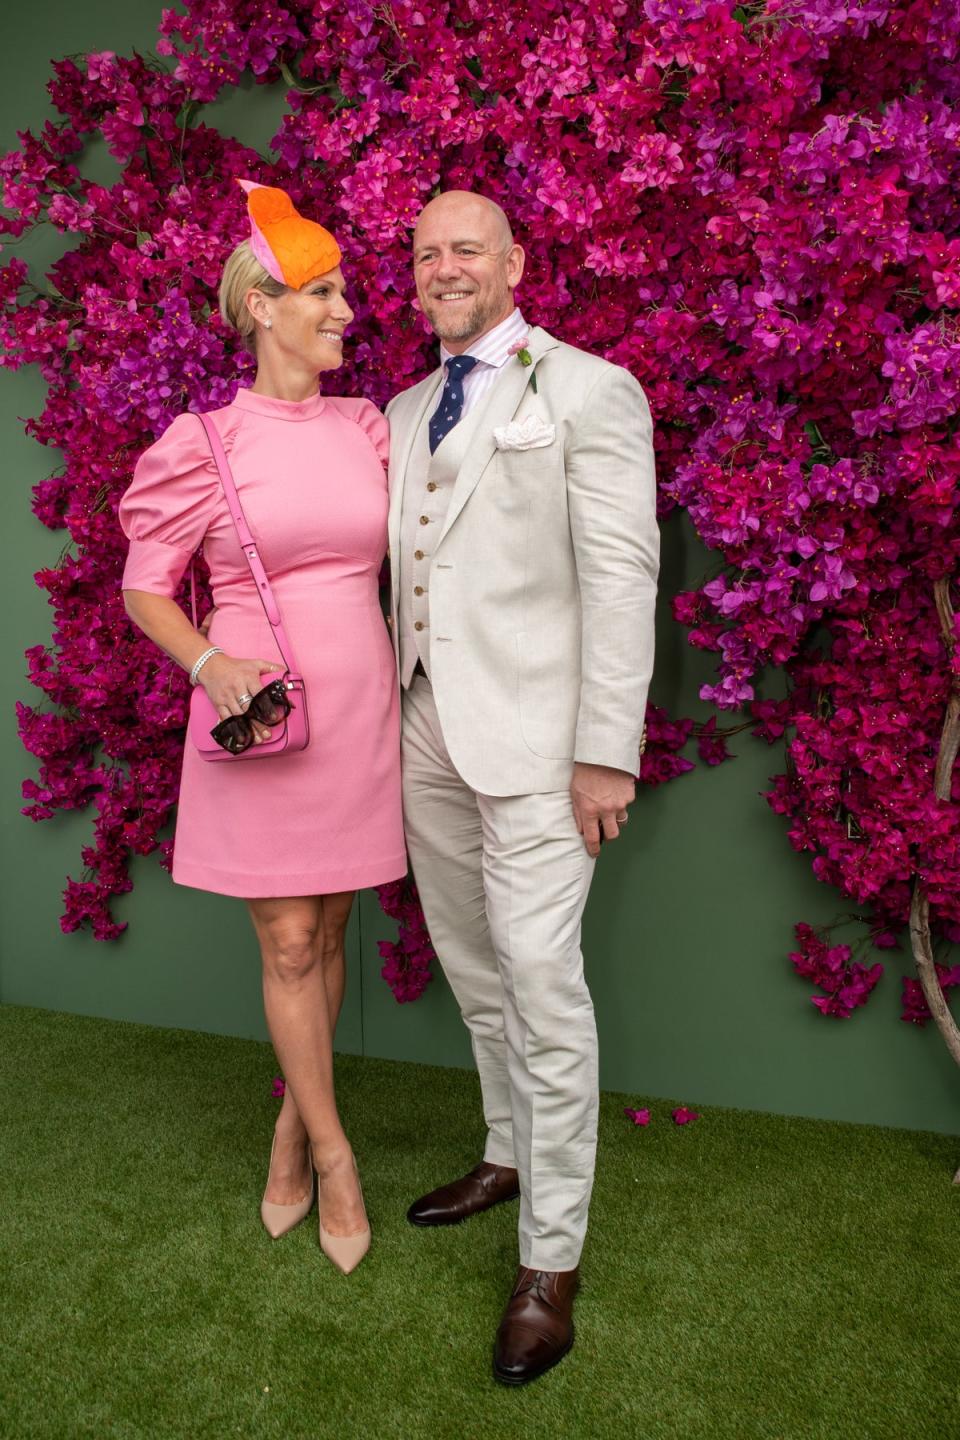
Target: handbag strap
[[247, 544]]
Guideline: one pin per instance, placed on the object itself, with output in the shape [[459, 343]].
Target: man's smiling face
[[466, 266]]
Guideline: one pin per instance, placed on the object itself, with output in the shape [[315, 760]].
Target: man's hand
[[600, 797], [206, 622]]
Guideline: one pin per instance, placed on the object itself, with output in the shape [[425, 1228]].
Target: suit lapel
[[505, 396]]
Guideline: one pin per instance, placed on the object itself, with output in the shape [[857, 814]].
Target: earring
[[268, 324]]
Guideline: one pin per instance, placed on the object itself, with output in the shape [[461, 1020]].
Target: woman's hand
[[231, 684], [224, 678]]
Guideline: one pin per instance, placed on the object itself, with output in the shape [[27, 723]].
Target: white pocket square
[[529, 434]]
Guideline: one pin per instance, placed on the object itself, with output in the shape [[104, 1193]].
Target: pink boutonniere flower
[[639, 1117], [525, 358]]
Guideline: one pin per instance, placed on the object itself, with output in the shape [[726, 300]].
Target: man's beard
[[475, 321]]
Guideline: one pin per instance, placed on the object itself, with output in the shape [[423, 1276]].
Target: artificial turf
[[746, 1275]]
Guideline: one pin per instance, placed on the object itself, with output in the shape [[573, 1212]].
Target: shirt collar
[[494, 348]]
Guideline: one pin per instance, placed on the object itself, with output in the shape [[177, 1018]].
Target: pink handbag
[[293, 733]]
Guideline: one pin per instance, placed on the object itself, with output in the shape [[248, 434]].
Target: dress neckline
[[278, 409]]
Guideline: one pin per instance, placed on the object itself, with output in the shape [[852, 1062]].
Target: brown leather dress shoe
[[537, 1326], [486, 1185]]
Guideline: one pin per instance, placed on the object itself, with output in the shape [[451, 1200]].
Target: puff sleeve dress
[[311, 478]]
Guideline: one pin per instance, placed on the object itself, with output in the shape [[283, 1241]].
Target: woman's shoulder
[[177, 472], [365, 414], [183, 446], [181, 449], [358, 408], [175, 487]]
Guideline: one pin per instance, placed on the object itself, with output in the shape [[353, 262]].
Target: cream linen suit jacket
[[542, 582]]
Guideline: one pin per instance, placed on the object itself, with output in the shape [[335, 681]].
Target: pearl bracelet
[[198, 666]]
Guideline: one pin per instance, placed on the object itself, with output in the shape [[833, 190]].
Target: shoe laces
[[537, 1281]]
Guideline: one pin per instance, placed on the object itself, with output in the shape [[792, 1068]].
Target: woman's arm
[[223, 677]]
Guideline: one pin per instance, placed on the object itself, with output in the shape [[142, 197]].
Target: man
[[524, 554]]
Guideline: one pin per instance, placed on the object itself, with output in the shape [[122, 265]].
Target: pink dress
[[311, 478]]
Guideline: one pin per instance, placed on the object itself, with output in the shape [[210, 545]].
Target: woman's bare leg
[[291, 1131], [336, 917], [302, 945]]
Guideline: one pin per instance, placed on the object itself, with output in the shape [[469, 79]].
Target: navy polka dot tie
[[450, 409]]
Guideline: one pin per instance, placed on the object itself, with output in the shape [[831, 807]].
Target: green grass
[[745, 1276]]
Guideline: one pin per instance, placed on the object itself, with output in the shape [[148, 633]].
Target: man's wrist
[[600, 765]]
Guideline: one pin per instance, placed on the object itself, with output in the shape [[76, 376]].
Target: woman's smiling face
[[304, 328]]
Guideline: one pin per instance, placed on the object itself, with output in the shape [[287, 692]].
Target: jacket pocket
[[519, 464], [545, 702]]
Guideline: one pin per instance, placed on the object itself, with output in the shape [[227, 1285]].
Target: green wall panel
[[691, 913]]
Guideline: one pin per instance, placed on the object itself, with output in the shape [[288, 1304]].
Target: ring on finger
[[244, 699]]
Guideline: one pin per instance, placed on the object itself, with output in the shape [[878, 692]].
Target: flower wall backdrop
[[753, 208]]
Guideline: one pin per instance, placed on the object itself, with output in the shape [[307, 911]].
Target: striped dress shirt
[[492, 351]]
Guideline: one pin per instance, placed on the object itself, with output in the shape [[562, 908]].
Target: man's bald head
[[465, 206], [467, 265]]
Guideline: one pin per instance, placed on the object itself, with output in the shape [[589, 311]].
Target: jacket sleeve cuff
[[606, 748]]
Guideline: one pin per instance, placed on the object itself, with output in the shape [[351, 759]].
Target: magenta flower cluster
[[407, 959], [680, 1115], [847, 982], [752, 207]]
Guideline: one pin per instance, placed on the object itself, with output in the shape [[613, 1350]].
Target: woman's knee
[[333, 937], [291, 952], [333, 946], [331, 951]]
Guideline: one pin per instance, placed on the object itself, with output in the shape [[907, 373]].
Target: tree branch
[[920, 905]]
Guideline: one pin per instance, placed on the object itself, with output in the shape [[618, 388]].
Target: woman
[[294, 834]]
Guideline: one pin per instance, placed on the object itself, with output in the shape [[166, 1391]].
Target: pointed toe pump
[[281, 1219], [345, 1251]]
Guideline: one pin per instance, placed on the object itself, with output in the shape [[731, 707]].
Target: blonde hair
[[241, 273]]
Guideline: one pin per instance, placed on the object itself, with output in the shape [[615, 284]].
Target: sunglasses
[[268, 707]]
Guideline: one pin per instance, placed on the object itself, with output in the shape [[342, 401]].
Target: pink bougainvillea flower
[[914, 1008], [682, 1116], [279, 1087], [639, 1117], [754, 214]]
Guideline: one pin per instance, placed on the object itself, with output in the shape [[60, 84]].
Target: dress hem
[[276, 887]]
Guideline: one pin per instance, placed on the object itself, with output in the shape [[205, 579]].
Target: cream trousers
[[503, 881]]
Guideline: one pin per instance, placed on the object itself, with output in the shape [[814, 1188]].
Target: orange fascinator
[[291, 249]]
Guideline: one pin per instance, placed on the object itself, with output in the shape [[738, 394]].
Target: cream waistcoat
[[426, 499]]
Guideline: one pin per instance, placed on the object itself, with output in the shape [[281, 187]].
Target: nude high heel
[[344, 1251], [281, 1219]]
